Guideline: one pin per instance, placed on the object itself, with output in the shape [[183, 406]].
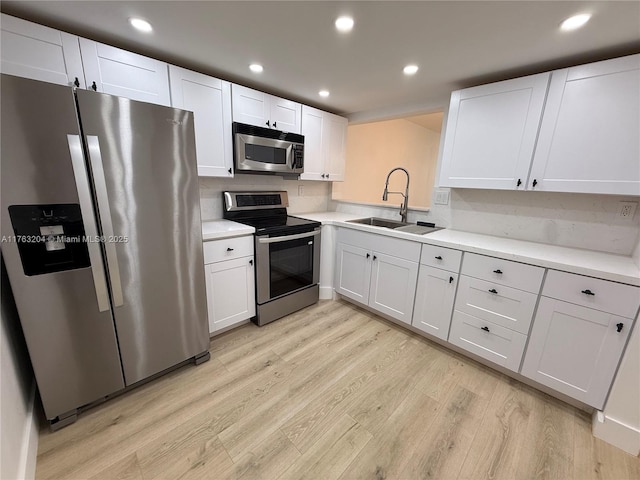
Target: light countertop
[[608, 266], [215, 229]]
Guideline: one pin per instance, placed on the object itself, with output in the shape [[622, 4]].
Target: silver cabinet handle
[[100, 183], [285, 238], [89, 220]]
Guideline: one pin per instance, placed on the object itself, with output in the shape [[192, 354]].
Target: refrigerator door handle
[[100, 184], [90, 227]]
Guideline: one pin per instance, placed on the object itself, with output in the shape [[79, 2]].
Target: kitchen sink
[[379, 222], [396, 225]]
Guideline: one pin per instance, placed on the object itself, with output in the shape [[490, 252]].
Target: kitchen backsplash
[[314, 196], [566, 219]]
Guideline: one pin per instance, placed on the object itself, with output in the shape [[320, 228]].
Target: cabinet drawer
[[440, 257], [228, 248], [487, 340], [508, 307], [610, 297], [503, 272]]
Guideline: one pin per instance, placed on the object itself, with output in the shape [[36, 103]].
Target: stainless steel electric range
[[287, 252]]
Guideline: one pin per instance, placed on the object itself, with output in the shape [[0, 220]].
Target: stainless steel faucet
[[404, 207]]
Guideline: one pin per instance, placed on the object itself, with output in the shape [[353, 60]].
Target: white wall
[[18, 422], [620, 422], [314, 198]]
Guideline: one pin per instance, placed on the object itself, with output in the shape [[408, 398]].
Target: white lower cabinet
[[434, 301], [377, 271], [575, 350], [230, 278]]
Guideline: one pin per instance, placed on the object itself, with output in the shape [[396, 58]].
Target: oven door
[[286, 264]]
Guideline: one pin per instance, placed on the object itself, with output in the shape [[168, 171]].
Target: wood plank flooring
[[331, 392]]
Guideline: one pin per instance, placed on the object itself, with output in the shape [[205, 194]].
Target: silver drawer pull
[[286, 238]]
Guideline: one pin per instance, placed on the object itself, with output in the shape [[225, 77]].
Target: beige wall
[[373, 149]]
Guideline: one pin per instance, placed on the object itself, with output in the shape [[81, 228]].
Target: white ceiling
[[456, 44]]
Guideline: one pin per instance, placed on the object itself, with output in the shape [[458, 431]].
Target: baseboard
[[29, 450], [616, 433], [326, 293]]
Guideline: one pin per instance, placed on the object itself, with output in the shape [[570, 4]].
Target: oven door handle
[[286, 238]]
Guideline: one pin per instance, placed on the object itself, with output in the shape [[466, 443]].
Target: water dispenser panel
[[50, 238]]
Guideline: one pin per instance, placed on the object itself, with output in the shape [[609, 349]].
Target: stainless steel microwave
[[263, 150]]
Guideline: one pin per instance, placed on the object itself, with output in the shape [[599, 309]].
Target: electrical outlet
[[441, 197], [300, 190], [626, 210]]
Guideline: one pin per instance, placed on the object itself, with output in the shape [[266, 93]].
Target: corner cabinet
[[589, 134], [210, 101], [324, 145], [40, 53], [377, 271], [586, 141], [263, 110], [230, 280], [491, 134]]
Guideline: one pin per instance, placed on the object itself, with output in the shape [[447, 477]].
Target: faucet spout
[[404, 207]]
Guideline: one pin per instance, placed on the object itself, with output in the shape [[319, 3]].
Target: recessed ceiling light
[[140, 24], [323, 93], [410, 69], [256, 68], [575, 22], [344, 24]]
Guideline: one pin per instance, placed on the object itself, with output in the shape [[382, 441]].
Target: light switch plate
[[441, 197]]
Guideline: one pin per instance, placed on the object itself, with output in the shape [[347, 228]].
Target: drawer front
[[508, 307], [395, 247], [227, 249], [610, 297], [487, 340], [440, 257], [503, 272]]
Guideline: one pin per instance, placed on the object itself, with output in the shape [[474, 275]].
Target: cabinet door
[[575, 350], [230, 292], [312, 124], [589, 134], [434, 301], [393, 286], [334, 141], [353, 272], [210, 101], [284, 114], [491, 133], [126, 74], [33, 51], [249, 106]]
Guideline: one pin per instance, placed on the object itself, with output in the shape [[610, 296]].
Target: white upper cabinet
[[125, 74], [324, 145], [589, 134], [210, 101], [33, 51], [491, 133], [263, 110]]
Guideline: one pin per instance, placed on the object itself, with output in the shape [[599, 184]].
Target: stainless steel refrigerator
[[101, 237]]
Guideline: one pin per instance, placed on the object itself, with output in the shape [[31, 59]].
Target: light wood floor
[[331, 392]]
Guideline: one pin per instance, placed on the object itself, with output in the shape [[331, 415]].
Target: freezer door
[[142, 158], [60, 289]]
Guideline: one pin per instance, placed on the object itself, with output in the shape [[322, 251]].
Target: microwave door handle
[[286, 238]]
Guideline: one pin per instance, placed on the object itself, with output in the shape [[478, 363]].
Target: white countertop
[[215, 229], [608, 266]]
